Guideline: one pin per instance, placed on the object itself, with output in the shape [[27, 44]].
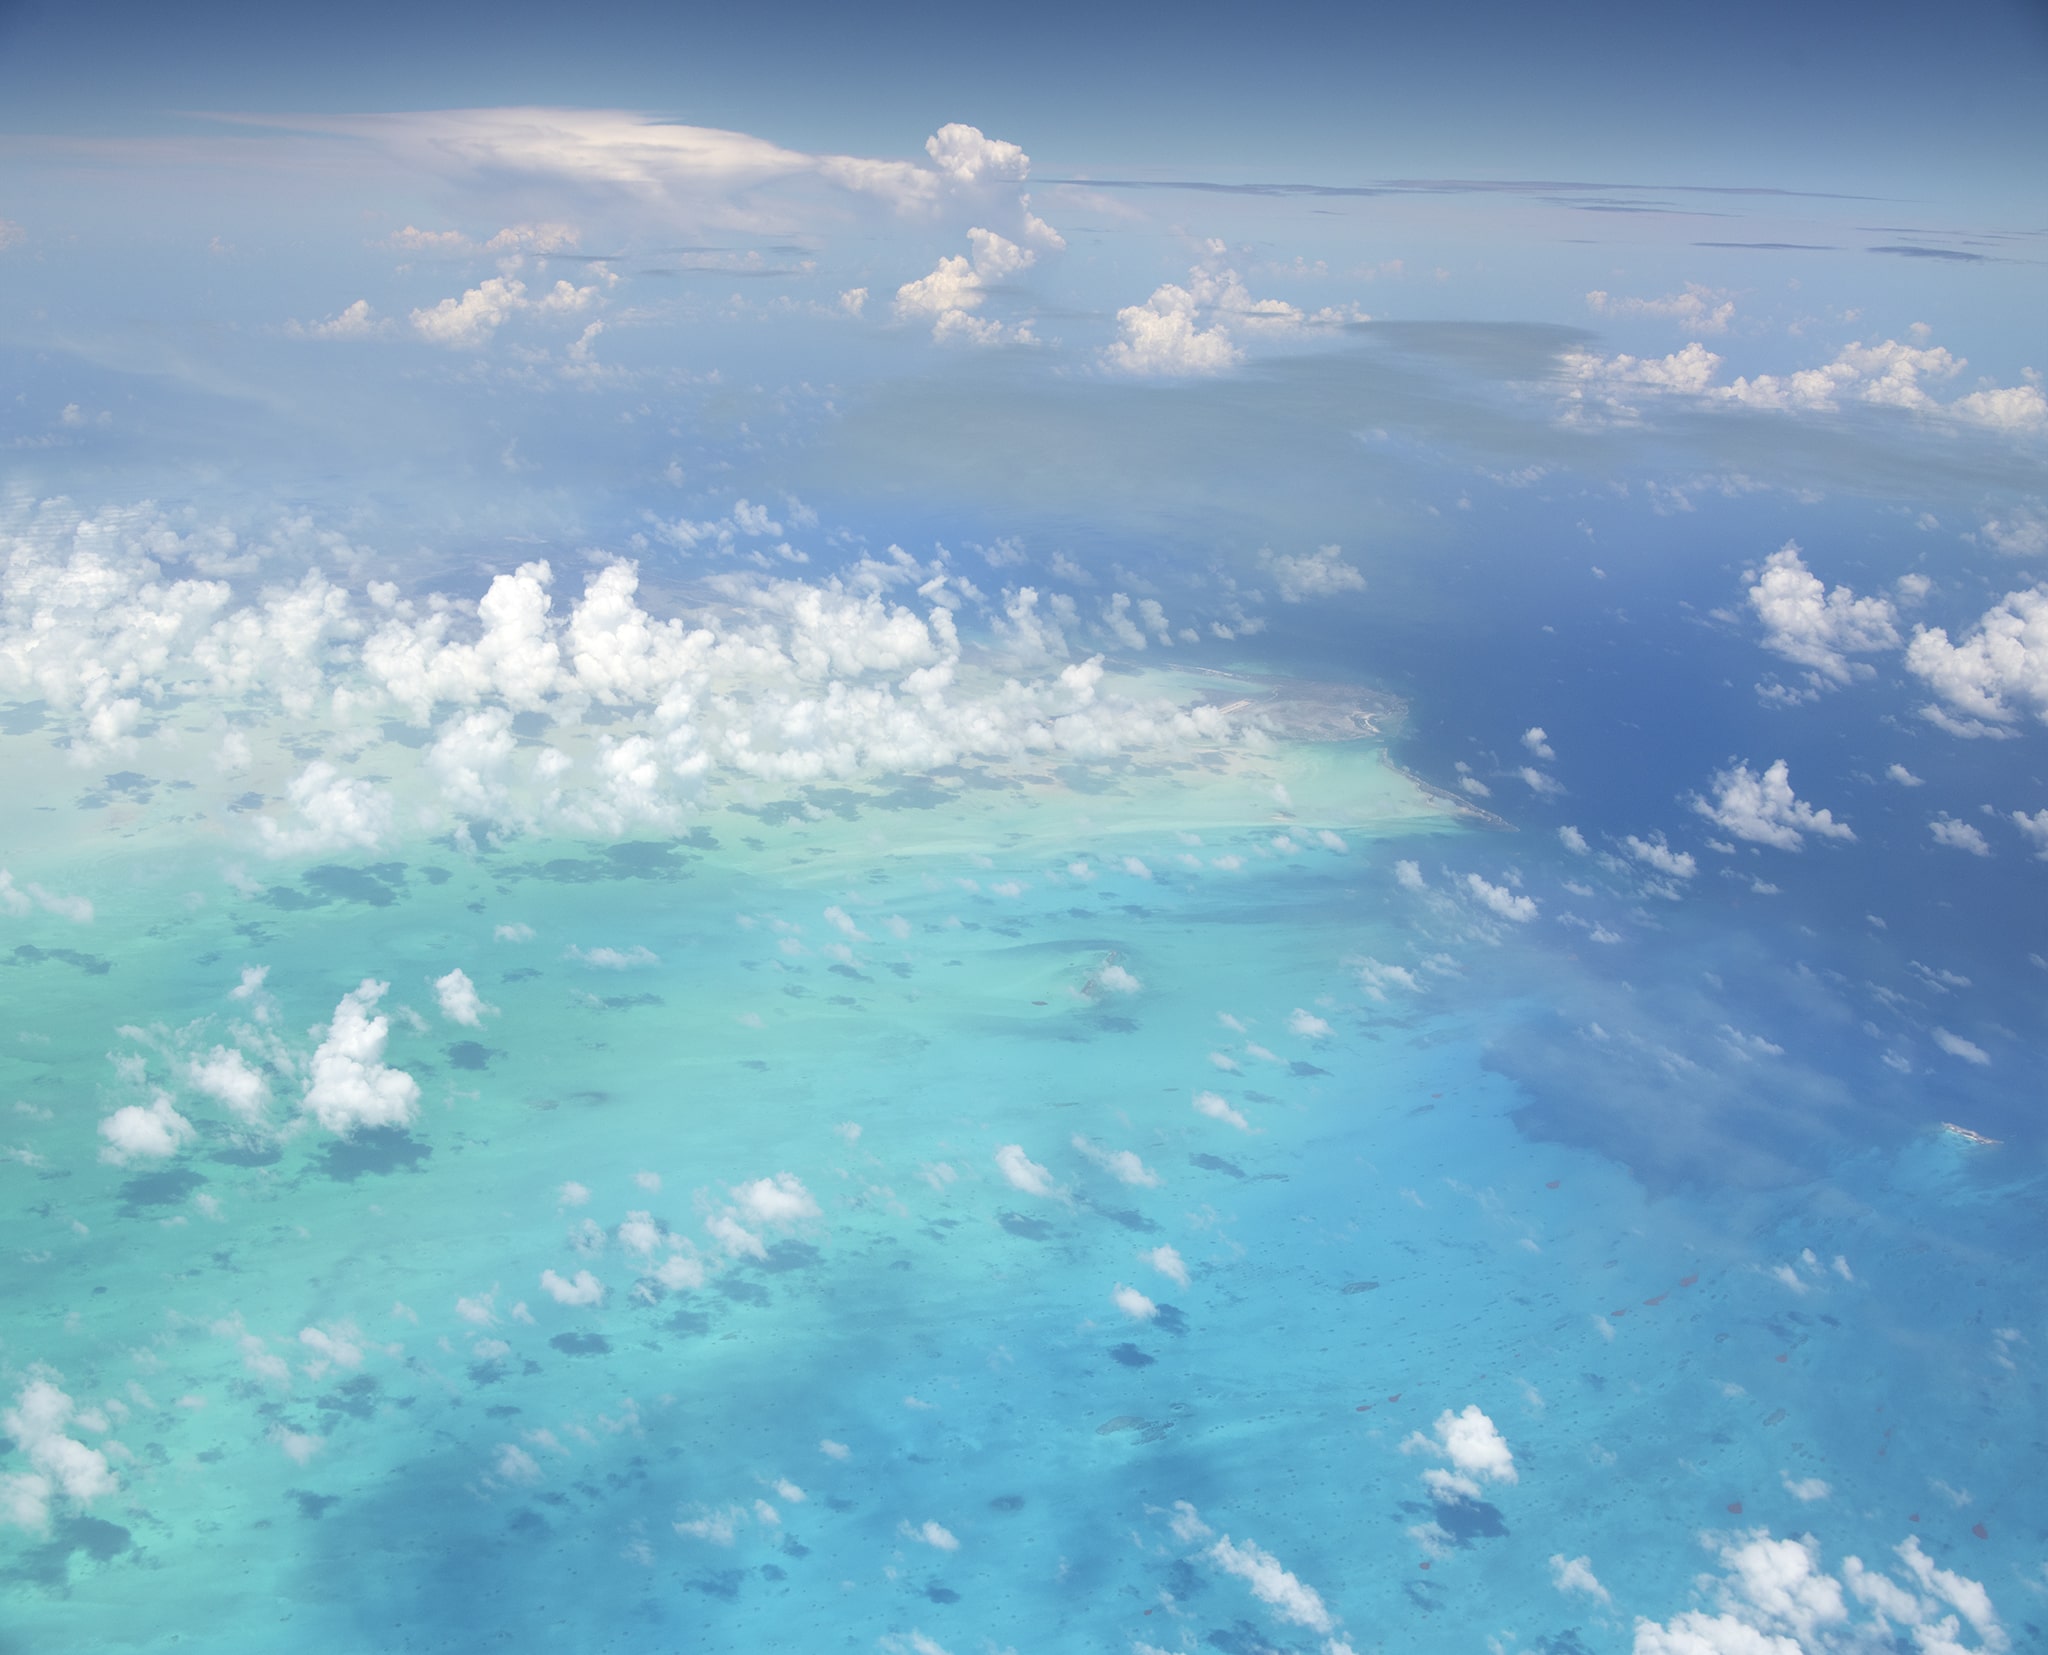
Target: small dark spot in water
[[1122, 1422], [725, 1584], [1007, 1502], [1030, 1229], [1130, 1356], [1297, 1067], [688, 1324], [365, 885], [529, 1523], [835, 1503], [521, 974], [1170, 1318], [753, 1063], [1216, 1163], [793, 1547], [503, 1410], [436, 876], [313, 1505], [773, 1571], [467, 1054], [627, 1002], [248, 1155], [487, 1373], [91, 964], [581, 1344], [742, 1291], [1776, 1417], [1361, 1287], [1468, 1520], [941, 1594], [790, 1255], [1130, 1218]]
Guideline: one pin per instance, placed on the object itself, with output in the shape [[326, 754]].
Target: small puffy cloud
[[779, 1200], [1168, 1262], [582, 1289], [1121, 1164], [737, 1240], [1659, 855], [935, 1535], [1537, 740], [60, 1466], [1697, 309], [1163, 337], [613, 959], [330, 812], [841, 921], [2035, 827], [964, 155], [1471, 1443], [2024, 533], [1805, 622], [1133, 1303], [1322, 573], [957, 287], [145, 1133], [573, 1194], [1408, 875], [226, 1076], [1022, 1172], [1573, 840], [1507, 903], [834, 1450], [1288, 1597], [1997, 669], [1764, 810], [518, 931], [1217, 1109], [1958, 835], [355, 321], [1904, 777], [349, 1087], [1116, 980], [1806, 1490], [460, 1002], [1575, 1574], [470, 321], [1306, 1025], [1956, 1046]]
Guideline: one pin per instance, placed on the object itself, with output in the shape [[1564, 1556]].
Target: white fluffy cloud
[[1289, 1597], [459, 1000], [1218, 1109], [1697, 309], [1164, 336], [1322, 573], [1956, 1046], [226, 1076], [60, 1465], [1021, 1172], [957, 288], [1959, 835], [780, 1200], [1502, 900], [580, 1290], [330, 812], [1575, 1574], [1470, 1441], [1168, 1262], [1133, 1303], [1805, 622], [1764, 810], [1998, 670], [964, 155], [1774, 1598], [145, 1133], [1121, 1164], [348, 1086]]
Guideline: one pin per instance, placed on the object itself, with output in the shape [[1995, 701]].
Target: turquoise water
[[900, 1405]]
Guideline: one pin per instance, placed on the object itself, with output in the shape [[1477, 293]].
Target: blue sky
[[1874, 99]]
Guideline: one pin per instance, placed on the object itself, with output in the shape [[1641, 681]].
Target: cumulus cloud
[[933, 1534], [226, 1076], [1168, 1262], [580, 1290], [349, 1087], [460, 1002], [1537, 740], [1021, 1172], [1218, 1109], [329, 812], [1697, 309], [151, 1132], [1959, 835], [1764, 810], [1678, 864], [1575, 1574], [1163, 336], [1502, 900], [1306, 1025], [964, 155], [1289, 1597], [2035, 828], [61, 1467], [1470, 1441], [355, 321], [1121, 1164], [1996, 672], [780, 1200], [953, 294], [1774, 1598], [1804, 622], [613, 959], [1133, 1303], [1322, 573]]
